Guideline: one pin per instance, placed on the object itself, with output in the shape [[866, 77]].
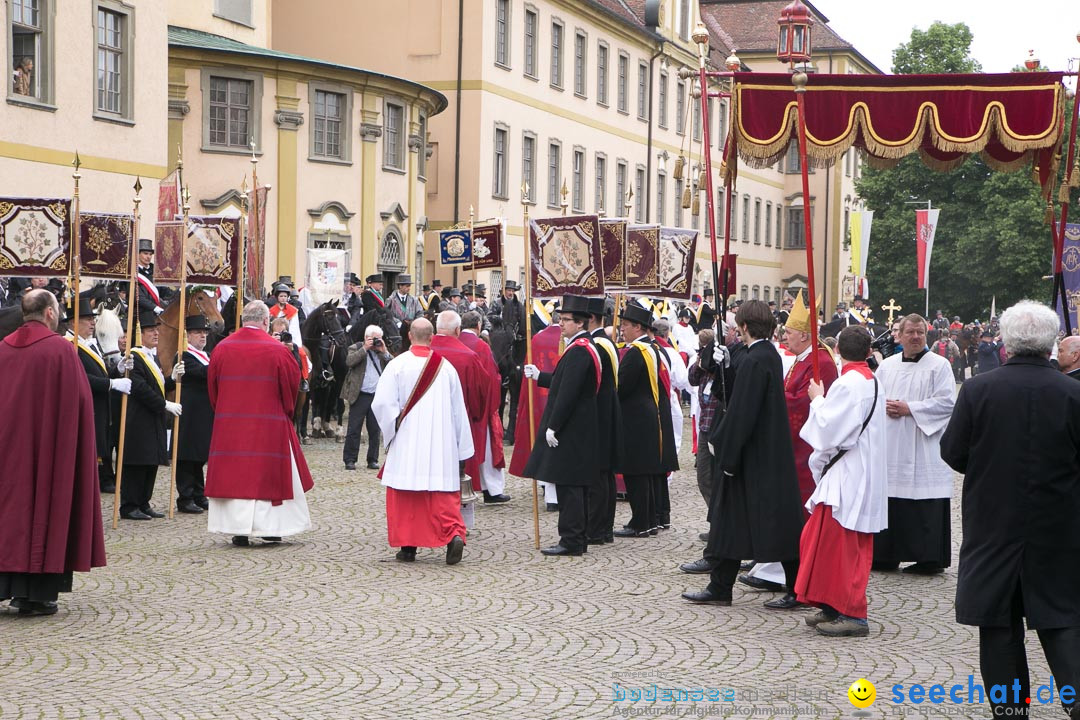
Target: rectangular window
[[577, 194], [796, 237], [847, 161], [554, 173], [528, 166], [601, 184], [580, 50], [697, 118], [684, 19], [678, 203], [642, 91], [623, 89], [746, 218], [620, 189], [779, 223], [639, 192], [238, 11], [792, 158], [230, 112], [768, 224], [661, 186], [721, 122], [328, 113], [30, 50], [531, 23], [556, 54], [757, 221], [680, 107], [661, 104], [502, 32], [602, 74], [499, 182], [393, 142], [720, 229], [734, 216], [421, 157], [110, 61]]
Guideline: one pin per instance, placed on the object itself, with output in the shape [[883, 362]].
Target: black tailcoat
[[197, 420], [669, 447], [145, 438], [98, 377], [640, 418], [759, 512], [609, 418], [1015, 434]]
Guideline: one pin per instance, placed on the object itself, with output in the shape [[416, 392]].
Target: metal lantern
[[1032, 61], [793, 44]]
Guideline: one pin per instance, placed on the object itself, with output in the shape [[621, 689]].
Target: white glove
[[532, 372], [127, 364], [721, 355], [158, 310], [712, 450], [120, 385], [173, 408], [348, 328], [178, 371], [552, 441]]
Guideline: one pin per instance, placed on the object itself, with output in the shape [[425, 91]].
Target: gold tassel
[[702, 178], [1074, 176], [1063, 194], [1048, 219], [677, 172], [696, 205], [686, 193]]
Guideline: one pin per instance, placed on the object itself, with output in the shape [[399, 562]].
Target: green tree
[[940, 49]]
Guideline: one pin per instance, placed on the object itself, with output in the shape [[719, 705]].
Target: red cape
[[495, 426], [545, 355], [798, 408], [253, 381], [50, 517], [475, 385]]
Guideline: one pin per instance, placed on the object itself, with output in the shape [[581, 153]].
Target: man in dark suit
[[609, 449], [1015, 435], [372, 297], [566, 456], [197, 422], [149, 297], [512, 312], [1069, 356]]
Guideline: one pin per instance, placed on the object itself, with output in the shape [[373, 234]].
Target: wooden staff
[[132, 309], [472, 216], [239, 303], [181, 344], [76, 261], [529, 358]]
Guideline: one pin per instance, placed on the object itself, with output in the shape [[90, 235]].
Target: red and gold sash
[[594, 354], [423, 384]]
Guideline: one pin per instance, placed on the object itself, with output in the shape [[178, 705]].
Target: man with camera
[[365, 361]]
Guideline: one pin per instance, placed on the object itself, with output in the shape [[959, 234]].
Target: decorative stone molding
[[415, 143], [394, 213], [370, 132], [288, 119], [178, 108], [338, 208]]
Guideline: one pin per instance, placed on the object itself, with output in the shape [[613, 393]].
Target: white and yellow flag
[[861, 221]]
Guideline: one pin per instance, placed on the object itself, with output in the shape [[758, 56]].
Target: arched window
[[757, 292], [744, 293], [391, 253]]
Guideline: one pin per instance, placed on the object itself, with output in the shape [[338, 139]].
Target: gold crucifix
[[892, 307]]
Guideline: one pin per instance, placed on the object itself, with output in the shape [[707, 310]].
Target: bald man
[[1069, 356]]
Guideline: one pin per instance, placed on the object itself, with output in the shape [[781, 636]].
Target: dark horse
[[326, 343]]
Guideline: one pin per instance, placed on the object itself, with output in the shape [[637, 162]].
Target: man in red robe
[[491, 481], [50, 518], [256, 475]]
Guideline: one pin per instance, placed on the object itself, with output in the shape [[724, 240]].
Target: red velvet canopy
[[1011, 119]]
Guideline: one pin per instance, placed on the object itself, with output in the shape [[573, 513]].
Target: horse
[[326, 343], [199, 302], [381, 318]]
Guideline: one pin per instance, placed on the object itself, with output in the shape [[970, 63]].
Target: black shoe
[[654, 531], [885, 566], [152, 512], [746, 565], [108, 488], [454, 549], [38, 608], [404, 555], [560, 550], [500, 498], [373, 466], [189, 506], [594, 541], [610, 537], [924, 568], [761, 584], [135, 515], [241, 541], [270, 539], [630, 532], [701, 566], [706, 597], [664, 526], [203, 503], [553, 507], [703, 537], [787, 602], [350, 466]]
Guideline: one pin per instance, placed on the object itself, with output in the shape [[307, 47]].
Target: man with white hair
[[1015, 434], [1069, 356], [365, 361], [919, 393]]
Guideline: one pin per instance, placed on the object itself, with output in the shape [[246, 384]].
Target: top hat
[[707, 292], [196, 322], [280, 288], [859, 298], [403, 280], [453, 292], [352, 278], [511, 285], [148, 320], [375, 277], [425, 288], [987, 333], [286, 280], [637, 314], [598, 307], [84, 309], [481, 293], [146, 245], [577, 305], [436, 283]]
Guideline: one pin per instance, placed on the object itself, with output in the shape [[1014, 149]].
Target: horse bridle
[[198, 303]]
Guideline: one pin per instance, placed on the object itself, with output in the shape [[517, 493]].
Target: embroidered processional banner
[[35, 236], [675, 269], [612, 246], [487, 246], [105, 245], [455, 247], [641, 257], [212, 251], [326, 274], [564, 256]]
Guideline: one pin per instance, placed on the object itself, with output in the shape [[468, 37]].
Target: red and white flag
[[926, 226]]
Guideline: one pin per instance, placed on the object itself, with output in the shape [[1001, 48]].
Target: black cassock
[[197, 420], [147, 421], [1015, 434], [641, 420], [609, 417], [98, 378], [760, 513]]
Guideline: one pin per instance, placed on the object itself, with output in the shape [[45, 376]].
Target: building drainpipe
[[648, 142], [457, 119]]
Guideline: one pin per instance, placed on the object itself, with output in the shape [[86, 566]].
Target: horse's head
[[204, 303], [381, 318], [108, 330], [330, 323]]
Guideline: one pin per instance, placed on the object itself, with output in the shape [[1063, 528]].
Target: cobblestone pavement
[[181, 624]]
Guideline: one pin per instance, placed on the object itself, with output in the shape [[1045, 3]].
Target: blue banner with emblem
[[455, 247], [1070, 269]]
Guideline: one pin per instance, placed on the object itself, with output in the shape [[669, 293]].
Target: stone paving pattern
[[181, 624]]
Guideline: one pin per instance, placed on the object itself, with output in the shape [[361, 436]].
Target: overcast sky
[[1004, 32]]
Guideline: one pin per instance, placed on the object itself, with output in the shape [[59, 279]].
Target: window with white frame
[[620, 188], [661, 199], [623, 83], [393, 139], [746, 218], [680, 107], [500, 171], [720, 197], [421, 157], [684, 19], [580, 61], [642, 91], [528, 165], [678, 202], [577, 191], [31, 50], [639, 192], [554, 173], [601, 183], [113, 36], [661, 102], [502, 33], [756, 293], [329, 120], [532, 22], [697, 117], [796, 237], [744, 293], [556, 54], [757, 221], [768, 224], [602, 73], [779, 224]]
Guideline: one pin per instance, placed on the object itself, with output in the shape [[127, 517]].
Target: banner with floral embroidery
[[564, 256], [105, 245], [675, 268], [35, 236]]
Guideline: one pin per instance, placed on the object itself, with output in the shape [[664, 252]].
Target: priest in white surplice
[[846, 430], [920, 391], [421, 410]]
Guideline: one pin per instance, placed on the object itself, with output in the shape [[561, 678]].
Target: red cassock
[[545, 356], [495, 426], [253, 382], [475, 385], [796, 385], [50, 517]]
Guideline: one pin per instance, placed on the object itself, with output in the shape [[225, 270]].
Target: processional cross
[[892, 307]]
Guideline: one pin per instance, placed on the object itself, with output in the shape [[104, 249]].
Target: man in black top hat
[[707, 317], [372, 297], [435, 296], [403, 306], [197, 422], [149, 297], [453, 301], [353, 307], [566, 455], [609, 449]]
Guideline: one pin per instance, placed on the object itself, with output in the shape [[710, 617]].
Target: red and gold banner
[[212, 251], [105, 245], [1012, 119], [35, 236], [256, 242], [487, 242], [564, 255], [641, 256], [612, 246], [728, 262], [675, 266]]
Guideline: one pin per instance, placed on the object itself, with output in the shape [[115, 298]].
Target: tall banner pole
[[133, 260], [529, 398], [258, 226], [238, 305], [76, 261], [472, 218], [799, 80], [181, 344]]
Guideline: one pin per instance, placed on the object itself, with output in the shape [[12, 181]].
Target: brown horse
[[199, 302]]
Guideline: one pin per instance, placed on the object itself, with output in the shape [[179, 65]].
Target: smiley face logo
[[862, 693]]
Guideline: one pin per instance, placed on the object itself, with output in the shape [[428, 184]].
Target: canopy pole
[[181, 344], [799, 80], [529, 400], [132, 309]]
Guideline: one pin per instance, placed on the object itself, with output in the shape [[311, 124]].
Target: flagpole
[[799, 80], [133, 259], [255, 216], [76, 261], [926, 270], [181, 344], [238, 305], [530, 401], [472, 216]]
